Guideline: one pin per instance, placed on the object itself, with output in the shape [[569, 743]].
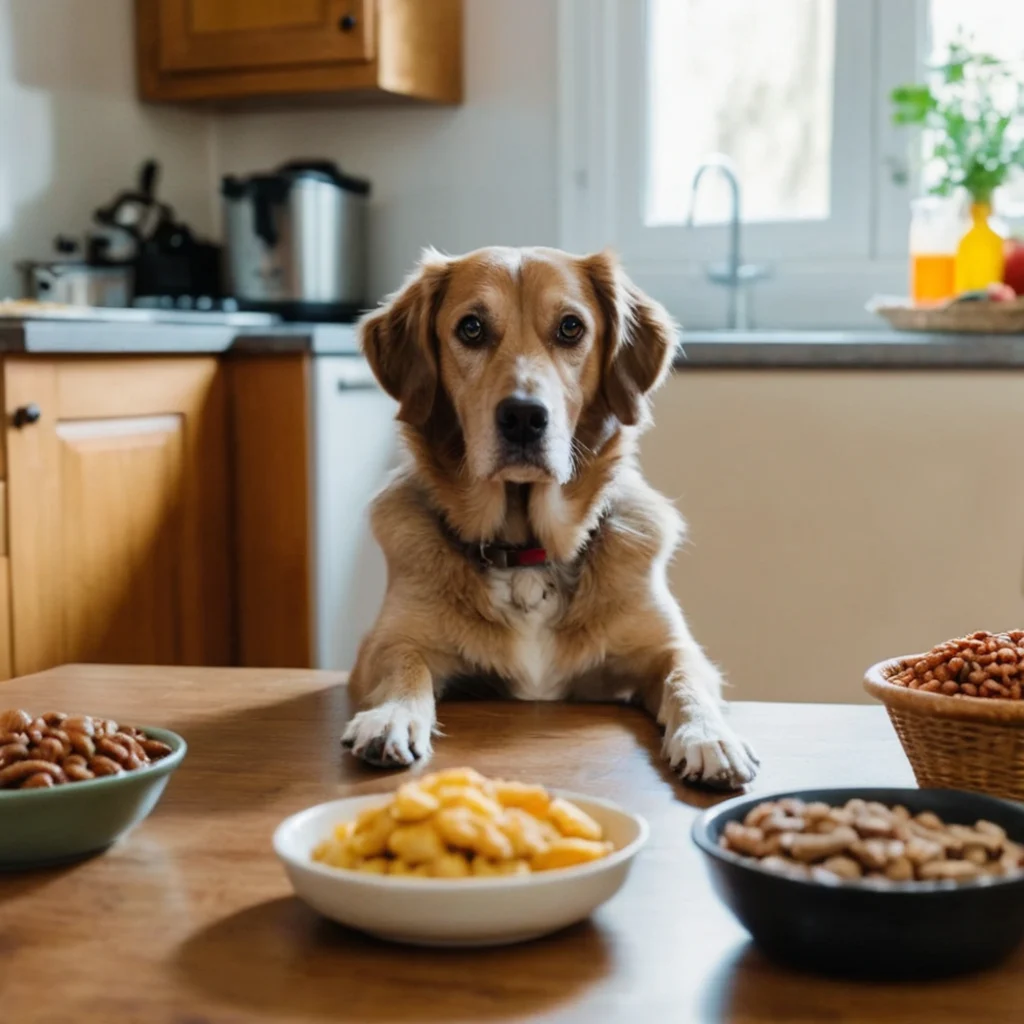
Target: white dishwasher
[[355, 446]]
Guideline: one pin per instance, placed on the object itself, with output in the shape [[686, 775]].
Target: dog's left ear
[[640, 339]]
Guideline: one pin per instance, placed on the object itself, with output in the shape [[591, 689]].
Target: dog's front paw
[[711, 755], [389, 736]]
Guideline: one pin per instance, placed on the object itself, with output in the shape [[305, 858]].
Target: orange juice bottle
[[936, 227]]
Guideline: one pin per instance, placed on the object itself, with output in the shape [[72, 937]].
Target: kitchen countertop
[[191, 917], [700, 349], [850, 349]]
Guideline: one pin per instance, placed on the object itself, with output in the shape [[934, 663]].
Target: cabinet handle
[[357, 385], [347, 23], [26, 414]]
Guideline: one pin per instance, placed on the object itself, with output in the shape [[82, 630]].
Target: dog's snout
[[522, 420]]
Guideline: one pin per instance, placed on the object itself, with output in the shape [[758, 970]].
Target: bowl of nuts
[[455, 859], [71, 785], [880, 883], [959, 713]]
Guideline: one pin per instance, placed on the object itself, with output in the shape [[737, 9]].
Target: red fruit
[[1013, 272]]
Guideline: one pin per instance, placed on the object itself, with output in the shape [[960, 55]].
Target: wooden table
[[191, 921]]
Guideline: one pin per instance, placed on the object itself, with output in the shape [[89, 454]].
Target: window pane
[[751, 79], [993, 26]]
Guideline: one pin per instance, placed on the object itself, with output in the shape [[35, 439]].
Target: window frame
[[823, 272]]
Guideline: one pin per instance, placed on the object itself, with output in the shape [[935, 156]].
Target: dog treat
[[870, 842], [47, 750], [980, 665], [458, 824]]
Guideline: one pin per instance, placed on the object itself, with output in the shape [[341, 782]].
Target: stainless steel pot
[[74, 283], [296, 241]]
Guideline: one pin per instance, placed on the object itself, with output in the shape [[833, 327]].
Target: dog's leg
[[699, 743], [397, 687]]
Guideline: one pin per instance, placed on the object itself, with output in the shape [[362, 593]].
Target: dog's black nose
[[522, 420]]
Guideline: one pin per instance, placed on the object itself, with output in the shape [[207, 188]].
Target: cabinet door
[[220, 35], [118, 513], [840, 517]]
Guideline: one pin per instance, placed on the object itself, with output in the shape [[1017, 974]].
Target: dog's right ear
[[399, 342]]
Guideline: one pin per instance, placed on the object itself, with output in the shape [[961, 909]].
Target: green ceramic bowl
[[43, 827]]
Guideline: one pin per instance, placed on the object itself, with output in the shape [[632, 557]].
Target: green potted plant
[[972, 111]]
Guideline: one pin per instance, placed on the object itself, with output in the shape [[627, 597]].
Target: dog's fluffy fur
[[598, 622]]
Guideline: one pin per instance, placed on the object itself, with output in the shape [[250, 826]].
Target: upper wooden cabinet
[[237, 49]]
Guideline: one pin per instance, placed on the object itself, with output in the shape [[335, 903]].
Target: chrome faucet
[[736, 275]]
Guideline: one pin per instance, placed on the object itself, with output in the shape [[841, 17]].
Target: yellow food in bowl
[[459, 824]]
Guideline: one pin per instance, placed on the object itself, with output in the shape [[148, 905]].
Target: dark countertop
[[847, 349], [99, 337], [700, 349]]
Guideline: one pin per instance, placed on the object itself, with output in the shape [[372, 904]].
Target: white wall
[[484, 173], [72, 132]]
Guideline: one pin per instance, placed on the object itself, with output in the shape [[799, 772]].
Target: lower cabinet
[[117, 504]]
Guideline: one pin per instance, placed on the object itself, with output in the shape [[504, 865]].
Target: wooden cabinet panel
[[218, 35], [118, 512], [836, 519], [121, 482], [203, 50]]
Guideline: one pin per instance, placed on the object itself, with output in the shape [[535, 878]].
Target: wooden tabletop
[[190, 919]]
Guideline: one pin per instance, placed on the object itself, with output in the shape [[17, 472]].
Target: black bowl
[[906, 930]]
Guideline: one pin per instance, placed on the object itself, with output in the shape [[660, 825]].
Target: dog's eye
[[570, 330], [470, 330]]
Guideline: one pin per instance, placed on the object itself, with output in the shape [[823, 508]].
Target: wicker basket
[[954, 742], [954, 318]]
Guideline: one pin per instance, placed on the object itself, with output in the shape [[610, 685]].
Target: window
[[997, 27], [796, 94], [764, 72]]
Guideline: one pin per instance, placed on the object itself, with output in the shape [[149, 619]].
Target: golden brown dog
[[522, 543]]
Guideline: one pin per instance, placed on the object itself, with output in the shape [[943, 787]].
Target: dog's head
[[530, 356]]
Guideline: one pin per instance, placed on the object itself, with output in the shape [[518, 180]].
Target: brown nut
[[741, 839], [78, 772], [133, 745], [101, 765], [923, 851], [13, 752], [38, 781], [53, 718], [113, 749], [873, 826], [844, 867], [15, 720], [811, 847], [927, 819], [82, 743], [48, 749], [155, 750], [899, 870], [80, 723], [976, 855], [872, 853], [781, 822], [816, 811], [15, 774], [955, 870]]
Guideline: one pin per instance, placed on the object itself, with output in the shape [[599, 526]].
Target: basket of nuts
[[959, 713]]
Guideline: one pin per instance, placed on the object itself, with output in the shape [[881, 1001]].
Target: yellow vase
[[979, 257]]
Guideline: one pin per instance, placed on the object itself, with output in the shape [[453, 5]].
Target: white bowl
[[455, 912]]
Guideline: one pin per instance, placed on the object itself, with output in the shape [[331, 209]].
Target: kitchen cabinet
[[838, 517], [240, 49], [117, 510]]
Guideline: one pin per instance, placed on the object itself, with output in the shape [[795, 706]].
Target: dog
[[522, 543]]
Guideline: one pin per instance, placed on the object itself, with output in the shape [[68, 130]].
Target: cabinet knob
[[26, 414], [347, 23]]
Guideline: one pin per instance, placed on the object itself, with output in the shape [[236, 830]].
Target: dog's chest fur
[[530, 601]]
